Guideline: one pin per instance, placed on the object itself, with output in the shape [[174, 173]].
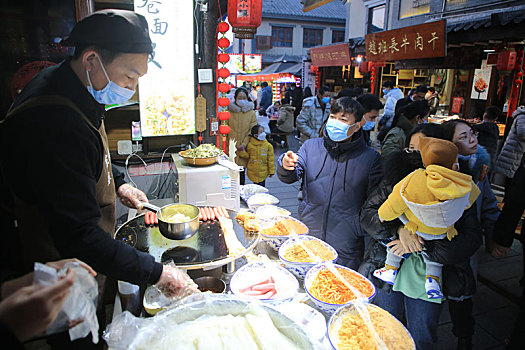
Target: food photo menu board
[[166, 93]]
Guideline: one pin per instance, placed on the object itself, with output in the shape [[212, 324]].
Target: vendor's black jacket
[[51, 158], [458, 278], [488, 138]]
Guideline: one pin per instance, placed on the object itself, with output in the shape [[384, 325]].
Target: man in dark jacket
[[339, 171], [418, 94], [266, 98], [489, 132], [60, 202]]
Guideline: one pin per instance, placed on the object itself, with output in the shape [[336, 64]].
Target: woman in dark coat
[[458, 279]]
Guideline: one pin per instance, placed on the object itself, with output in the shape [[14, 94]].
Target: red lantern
[[223, 27], [223, 87], [224, 129], [223, 101], [518, 81], [223, 43], [223, 57], [224, 73], [245, 17], [224, 115]]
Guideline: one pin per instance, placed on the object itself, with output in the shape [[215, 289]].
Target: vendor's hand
[[397, 248], [32, 309], [290, 160], [131, 197], [496, 250], [410, 241], [174, 283], [58, 265]]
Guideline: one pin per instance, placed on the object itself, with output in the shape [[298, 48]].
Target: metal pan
[[177, 231]]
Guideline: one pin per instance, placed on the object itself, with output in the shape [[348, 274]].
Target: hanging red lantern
[[224, 129], [224, 73], [223, 43], [223, 57], [223, 27], [223, 87], [223, 101], [224, 115], [245, 17], [518, 81]]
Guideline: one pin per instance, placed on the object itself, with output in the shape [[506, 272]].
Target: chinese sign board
[[333, 55], [480, 84], [252, 63], [414, 42], [166, 92]]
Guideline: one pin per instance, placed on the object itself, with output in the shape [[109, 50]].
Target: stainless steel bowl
[[176, 231]]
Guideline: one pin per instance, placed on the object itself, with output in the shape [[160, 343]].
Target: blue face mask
[[337, 131], [385, 91], [112, 93], [325, 99], [368, 125]]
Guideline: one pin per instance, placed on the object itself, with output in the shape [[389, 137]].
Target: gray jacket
[[511, 155], [311, 118]]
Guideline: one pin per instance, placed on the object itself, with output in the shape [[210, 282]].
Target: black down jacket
[[458, 277]]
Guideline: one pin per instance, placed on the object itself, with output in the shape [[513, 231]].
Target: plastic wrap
[[268, 212], [260, 199], [81, 304], [246, 191], [177, 284], [209, 321]]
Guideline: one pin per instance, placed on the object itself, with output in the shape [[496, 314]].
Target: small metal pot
[[176, 231], [210, 283]]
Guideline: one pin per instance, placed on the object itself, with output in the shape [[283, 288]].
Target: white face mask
[[261, 136], [112, 93]]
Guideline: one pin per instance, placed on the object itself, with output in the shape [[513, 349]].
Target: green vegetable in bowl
[[205, 150]]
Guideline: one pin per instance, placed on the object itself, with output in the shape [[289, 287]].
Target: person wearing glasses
[[409, 301], [474, 160]]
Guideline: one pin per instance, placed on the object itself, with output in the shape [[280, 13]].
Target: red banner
[[456, 105], [414, 42], [332, 55]]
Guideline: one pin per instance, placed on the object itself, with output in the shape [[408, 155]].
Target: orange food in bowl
[[328, 288]]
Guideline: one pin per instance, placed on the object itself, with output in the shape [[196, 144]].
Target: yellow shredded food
[[355, 335], [296, 252], [330, 289], [283, 228]]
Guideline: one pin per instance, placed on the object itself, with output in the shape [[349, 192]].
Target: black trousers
[[461, 317], [262, 183], [510, 216], [242, 177]]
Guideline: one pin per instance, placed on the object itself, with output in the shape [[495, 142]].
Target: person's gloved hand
[[174, 283], [131, 197], [31, 310]]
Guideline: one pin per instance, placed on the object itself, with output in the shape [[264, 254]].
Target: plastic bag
[[80, 305], [204, 318]]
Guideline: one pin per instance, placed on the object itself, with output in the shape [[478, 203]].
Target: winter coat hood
[[243, 108], [395, 93]]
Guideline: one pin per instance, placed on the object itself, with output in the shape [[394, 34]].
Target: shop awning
[[283, 67]]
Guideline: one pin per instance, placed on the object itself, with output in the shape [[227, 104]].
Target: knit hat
[[437, 152]]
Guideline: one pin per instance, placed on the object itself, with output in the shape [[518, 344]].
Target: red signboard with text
[[456, 105], [332, 55], [422, 41]]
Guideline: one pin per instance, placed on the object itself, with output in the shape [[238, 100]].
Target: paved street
[[495, 303]]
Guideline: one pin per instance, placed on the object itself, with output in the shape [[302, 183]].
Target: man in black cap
[[57, 187]]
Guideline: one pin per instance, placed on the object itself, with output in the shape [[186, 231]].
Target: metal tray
[[205, 250]]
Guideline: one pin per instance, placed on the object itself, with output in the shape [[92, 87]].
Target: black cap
[[115, 30]]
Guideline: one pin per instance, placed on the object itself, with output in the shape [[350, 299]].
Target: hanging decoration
[[245, 17], [222, 87]]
